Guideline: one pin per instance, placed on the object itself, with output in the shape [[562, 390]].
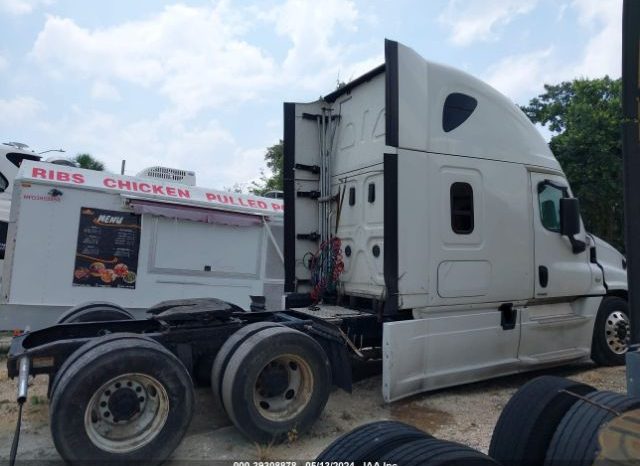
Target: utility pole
[[631, 164]]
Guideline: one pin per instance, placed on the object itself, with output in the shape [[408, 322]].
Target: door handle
[[543, 276], [508, 316]]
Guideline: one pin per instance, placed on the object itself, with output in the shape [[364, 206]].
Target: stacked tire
[[273, 381], [553, 421], [391, 442]]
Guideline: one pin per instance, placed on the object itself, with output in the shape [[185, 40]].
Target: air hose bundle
[[326, 266]]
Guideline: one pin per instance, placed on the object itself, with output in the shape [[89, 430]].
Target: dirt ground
[[465, 414]]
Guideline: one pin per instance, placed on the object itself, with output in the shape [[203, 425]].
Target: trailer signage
[[35, 171], [107, 249]]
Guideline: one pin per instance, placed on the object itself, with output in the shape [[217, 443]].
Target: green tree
[[585, 117], [274, 182], [87, 161]]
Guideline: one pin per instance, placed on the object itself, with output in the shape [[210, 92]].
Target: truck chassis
[[123, 389]]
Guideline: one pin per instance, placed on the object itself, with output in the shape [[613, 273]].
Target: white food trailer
[[79, 236]]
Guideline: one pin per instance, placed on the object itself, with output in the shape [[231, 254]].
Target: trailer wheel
[[226, 351], [435, 452], [370, 442], [121, 401], [611, 332], [276, 383], [527, 423], [575, 441], [94, 311]]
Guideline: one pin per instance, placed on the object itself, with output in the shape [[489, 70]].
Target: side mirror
[[569, 216], [570, 222]]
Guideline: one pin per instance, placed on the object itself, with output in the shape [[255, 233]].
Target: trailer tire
[[226, 351], [530, 418], [611, 332], [370, 442], [130, 338], [575, 441], [94, 311], [276, 384], [121, 401], [435, 452]]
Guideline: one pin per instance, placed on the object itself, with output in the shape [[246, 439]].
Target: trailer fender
[[94, 311]]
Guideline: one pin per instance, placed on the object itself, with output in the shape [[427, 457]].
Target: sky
[[199, 85]]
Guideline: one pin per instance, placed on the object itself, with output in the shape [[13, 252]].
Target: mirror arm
[[577, 246]]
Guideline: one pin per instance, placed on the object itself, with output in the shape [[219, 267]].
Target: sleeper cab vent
[[457, 108]]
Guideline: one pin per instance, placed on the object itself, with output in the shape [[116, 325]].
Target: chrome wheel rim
[[617, 332], [126, 413], [283, 388]]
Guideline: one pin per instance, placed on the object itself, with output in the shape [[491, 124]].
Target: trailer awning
[[194, 214]]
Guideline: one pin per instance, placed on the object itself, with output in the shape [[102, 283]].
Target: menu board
[[107, 249]]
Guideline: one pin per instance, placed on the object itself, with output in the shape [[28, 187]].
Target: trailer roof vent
[[169, 174]]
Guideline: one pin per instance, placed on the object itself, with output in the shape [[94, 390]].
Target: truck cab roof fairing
[[416, 90]]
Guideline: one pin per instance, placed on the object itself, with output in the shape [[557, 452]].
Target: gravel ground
[[465, 414]]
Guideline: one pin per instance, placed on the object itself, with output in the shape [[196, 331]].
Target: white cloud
[[310, 26], [198, 57], [19, 109], [21, 7], [521, 76], [208, 148], [602, 54], [193, 56], [4, 63], [103, 90], [477, 20]]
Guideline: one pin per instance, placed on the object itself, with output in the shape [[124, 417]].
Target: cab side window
[[461, 197], [549, 196]]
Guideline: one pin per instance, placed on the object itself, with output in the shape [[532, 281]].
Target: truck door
[[559, 272], [558, 321]]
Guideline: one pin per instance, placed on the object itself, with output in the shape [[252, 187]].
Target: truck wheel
[[575, 441], [527, 423], [611, 332], [122, 401], [434, 452], [370, 442], [94, 311], [276, 384], [226, 351]]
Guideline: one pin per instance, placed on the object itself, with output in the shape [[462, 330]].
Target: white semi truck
[[426, 225], [458, 228]]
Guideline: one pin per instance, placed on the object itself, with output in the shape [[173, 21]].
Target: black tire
[[575, 441], [370, 442], [76, 406], [249, 394], [130, 339], [527, 423], [434, 452], [613, 311], [94, 311], [226, 351]]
